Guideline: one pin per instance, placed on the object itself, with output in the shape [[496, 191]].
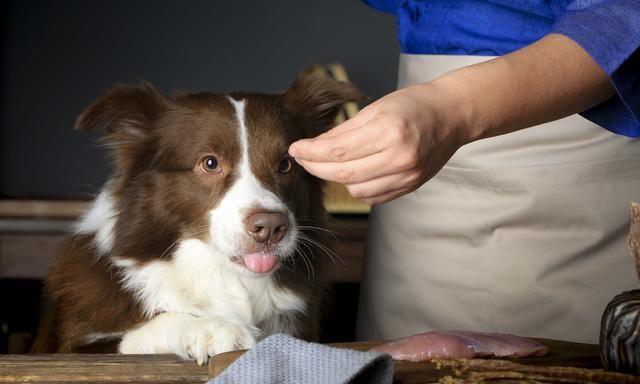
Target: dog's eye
[[285, 165], [210, 164]]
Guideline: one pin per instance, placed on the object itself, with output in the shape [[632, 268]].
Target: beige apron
[[523, 233]]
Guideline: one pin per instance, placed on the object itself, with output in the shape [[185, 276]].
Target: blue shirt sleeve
[[610, 32], [388, 6]]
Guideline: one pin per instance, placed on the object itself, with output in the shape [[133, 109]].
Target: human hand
[[391, 147]]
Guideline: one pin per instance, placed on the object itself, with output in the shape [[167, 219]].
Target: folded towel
[[284, 359]]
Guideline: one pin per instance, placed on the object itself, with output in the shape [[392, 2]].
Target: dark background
[[59, 55]]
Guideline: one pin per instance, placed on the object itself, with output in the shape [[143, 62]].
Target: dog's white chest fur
[[195, 282], [198, 308]]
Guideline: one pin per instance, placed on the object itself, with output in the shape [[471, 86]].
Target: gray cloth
[[286, 360]]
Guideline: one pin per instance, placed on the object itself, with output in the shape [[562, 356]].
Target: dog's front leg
[[187, 336]]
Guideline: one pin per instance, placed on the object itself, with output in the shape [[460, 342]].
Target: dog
[[208, 236]]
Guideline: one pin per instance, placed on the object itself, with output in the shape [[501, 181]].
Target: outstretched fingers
[[343, 143], [349, 172]]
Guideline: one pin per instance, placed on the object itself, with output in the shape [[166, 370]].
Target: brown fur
[[161, 194]]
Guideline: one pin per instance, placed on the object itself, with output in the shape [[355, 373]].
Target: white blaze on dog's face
[[247, 209]]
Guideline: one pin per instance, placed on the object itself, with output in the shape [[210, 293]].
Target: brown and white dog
[[205, 238]]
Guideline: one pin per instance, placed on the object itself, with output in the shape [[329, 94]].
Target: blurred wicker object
[[620, 325], [480, 371], [337, 198]]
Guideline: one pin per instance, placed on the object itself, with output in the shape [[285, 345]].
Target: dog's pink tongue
[[260, 262]]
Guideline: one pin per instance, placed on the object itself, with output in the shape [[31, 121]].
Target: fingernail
[[293, 150]]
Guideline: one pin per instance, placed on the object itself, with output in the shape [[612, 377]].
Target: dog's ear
[[126, 110], [317, 98], [126, 114]]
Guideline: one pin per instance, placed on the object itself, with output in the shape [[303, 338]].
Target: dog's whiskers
[[324, 249], [306, 259], [170, 248], [334, 234]]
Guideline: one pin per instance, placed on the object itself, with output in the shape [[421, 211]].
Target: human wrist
[[480, 92], [454, 107], [519, 90]]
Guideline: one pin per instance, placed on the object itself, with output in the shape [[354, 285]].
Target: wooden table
[[562, 354], [99, 369], [169, 369]]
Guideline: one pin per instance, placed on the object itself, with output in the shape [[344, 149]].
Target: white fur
[[199, 301], [224, 307], [187, 336], [197, 281], [227, 229], [97, 336], [100, 219]]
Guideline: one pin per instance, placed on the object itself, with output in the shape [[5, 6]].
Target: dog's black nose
[[267, 227]]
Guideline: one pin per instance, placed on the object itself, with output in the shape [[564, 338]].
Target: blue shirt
[[608, 30]]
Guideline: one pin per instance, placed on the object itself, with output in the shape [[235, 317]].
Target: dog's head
[[213, 167]]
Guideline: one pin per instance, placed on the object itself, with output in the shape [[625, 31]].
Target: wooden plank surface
[[27, 256], [170, 369], [99, 369], [562, 354], [42, 208]]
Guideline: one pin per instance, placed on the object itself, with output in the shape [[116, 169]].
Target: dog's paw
[[187, 336], [138, 343], [203, 338]]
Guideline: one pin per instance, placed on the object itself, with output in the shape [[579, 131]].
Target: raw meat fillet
[[460, 345]]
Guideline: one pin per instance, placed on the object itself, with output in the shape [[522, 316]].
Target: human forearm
[[545, 81], [400, 141]]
